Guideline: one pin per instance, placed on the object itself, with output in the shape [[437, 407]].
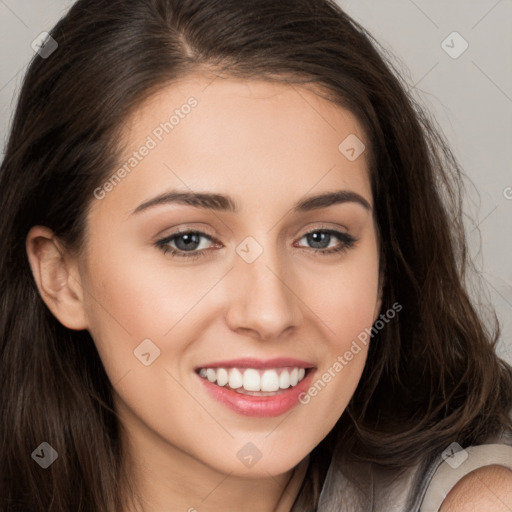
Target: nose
[[263, 303]]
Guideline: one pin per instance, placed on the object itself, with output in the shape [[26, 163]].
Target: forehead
[[261, 141]]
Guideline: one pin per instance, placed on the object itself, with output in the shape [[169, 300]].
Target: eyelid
[[183, 231], [331, 231], [203, 229], [326, 227]]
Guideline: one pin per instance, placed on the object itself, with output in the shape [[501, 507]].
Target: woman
[[316, 350]]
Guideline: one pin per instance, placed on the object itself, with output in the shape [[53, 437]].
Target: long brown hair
[[431, 377]]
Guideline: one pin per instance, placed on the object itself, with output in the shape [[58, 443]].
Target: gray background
[[470, 97]]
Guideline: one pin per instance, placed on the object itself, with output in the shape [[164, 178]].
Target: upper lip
[[250, 362]]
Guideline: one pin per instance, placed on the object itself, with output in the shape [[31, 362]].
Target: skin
[[487, 488], [267, 145]]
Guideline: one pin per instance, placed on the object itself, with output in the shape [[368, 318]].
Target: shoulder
[[476, 478], [486, 488]]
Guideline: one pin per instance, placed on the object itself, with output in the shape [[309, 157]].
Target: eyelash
[[347, 240]]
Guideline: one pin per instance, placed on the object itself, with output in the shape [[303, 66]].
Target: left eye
[[319, 237]]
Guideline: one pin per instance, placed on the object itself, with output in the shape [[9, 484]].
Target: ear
[[56, 278]]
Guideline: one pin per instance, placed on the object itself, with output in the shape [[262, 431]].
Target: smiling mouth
[[252, 381]]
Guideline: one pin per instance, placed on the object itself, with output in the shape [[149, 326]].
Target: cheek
[[344, 351], [133, 300], [345, 297], [147, 293], [127, 302], [345, 300]]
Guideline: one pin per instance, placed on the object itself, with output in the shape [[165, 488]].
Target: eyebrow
[[219, 202]]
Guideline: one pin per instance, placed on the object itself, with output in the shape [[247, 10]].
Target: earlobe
[[60, 290]]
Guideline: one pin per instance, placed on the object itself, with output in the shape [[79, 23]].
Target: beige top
[[448, 474], [423, 488]]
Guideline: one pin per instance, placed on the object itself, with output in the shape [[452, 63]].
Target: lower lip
[[260, 406]]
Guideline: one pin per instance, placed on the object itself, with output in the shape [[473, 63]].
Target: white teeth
[[253, 380], [284, 380], [269, 381], [235, 379], [222, 377]]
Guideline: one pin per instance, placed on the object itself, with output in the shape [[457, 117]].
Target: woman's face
[[245, 297]]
